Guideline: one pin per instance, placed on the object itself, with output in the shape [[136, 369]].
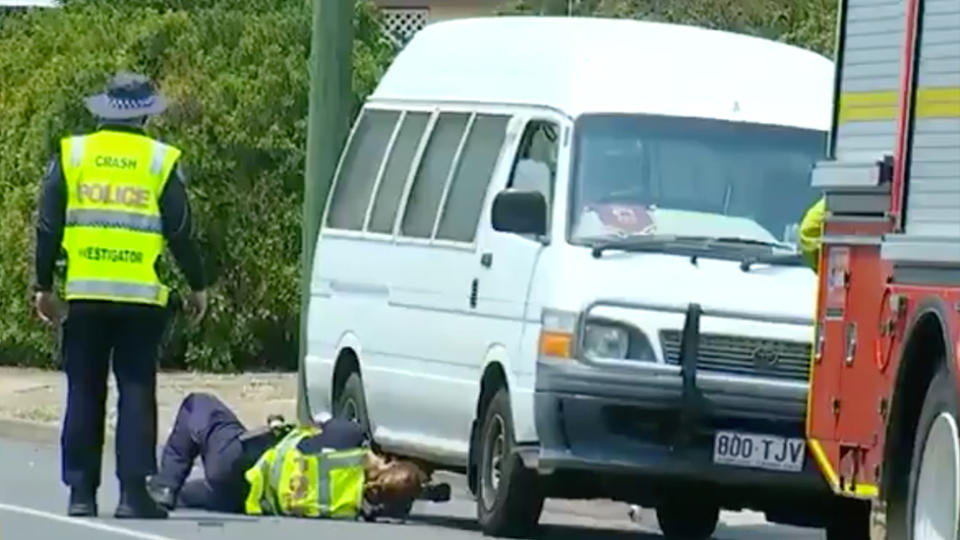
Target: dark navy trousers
[[206, 428], [94, 335]]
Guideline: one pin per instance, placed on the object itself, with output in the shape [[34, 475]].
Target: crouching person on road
[[324, 471]]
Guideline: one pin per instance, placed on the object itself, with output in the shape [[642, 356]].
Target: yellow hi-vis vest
[[287, 482], [811, 232], [112, 231]]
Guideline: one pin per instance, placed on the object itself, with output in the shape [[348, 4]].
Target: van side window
[[536, 165], [428, 183], [390, 191], [348, 205], [468, 189]]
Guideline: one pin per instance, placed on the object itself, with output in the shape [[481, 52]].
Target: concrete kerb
[[32, 432]]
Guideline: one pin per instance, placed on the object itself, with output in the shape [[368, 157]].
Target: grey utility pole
[[331, 65]]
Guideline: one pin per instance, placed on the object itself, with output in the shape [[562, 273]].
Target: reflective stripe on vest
[[276, 470], [266, 495], [116, 289], [258, 500], [330, 463], [113, 230], [114, 219]]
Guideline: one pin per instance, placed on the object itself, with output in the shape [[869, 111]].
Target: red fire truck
[[884, 411]]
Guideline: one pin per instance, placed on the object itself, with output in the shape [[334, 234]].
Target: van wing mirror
[[520, 212]]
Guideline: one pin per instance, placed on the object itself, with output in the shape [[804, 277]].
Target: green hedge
[[236, 74]]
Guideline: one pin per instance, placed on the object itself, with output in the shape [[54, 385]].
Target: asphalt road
[[32, 506]]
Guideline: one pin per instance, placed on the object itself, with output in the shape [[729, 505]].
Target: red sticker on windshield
[[628, 218]]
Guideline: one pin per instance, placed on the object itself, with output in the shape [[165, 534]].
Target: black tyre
[[933, 507], [850, 520], [352, 405], [690, 519], [509, 500]]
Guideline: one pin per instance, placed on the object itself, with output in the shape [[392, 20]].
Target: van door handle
[[474, 290], [486, 260]]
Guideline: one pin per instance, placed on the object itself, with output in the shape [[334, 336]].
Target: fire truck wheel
[[934, 504], [690, 519], [509, 501]]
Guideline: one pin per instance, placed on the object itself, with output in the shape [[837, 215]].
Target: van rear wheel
[[509, 501], [352, 404]]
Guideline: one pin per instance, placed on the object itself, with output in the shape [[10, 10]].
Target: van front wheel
[[689, 518], [352, 405], [509, 501]]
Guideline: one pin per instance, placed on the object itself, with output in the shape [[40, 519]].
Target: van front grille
[[744, 355]]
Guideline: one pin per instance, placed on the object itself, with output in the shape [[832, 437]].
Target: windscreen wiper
[[634, 243], [792, 258], [782, 259], [747, 241]]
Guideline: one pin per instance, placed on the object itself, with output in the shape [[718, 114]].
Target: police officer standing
[[111, 199]]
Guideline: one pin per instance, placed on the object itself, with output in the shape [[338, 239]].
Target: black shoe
[[136, 503], [162, 495], [83, 503], [436, 493]]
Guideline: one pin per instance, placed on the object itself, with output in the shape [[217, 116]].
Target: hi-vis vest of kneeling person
[[288, 480]]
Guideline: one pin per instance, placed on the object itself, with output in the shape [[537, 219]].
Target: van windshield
[[647, 175]]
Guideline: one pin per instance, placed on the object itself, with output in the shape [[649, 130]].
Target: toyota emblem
[[765, 356]]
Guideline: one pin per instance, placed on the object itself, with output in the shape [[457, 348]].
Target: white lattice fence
[[402, 23]]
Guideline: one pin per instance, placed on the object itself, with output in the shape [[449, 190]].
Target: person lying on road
[[281, 469]]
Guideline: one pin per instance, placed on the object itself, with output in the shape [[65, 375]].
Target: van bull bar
[[693, 403]]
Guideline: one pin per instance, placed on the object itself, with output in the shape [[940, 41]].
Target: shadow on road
[[546, 532]]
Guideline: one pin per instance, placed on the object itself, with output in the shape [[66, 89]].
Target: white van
[[553, 258]]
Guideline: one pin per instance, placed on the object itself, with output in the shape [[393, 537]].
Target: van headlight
[[606, 341], [602, 339], [609, 340]]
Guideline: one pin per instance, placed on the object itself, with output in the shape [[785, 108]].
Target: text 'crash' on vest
[[114, 162], [107, 193]]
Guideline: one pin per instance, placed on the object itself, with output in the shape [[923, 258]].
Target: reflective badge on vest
[[107, 193], [298, 489]]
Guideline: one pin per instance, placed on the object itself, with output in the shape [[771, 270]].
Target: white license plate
[[759, 451]]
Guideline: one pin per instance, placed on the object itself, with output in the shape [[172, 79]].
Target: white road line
[[743, 519], [129, 533]]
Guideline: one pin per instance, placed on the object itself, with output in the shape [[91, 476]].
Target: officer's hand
[[49, 307], [197, 306]]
